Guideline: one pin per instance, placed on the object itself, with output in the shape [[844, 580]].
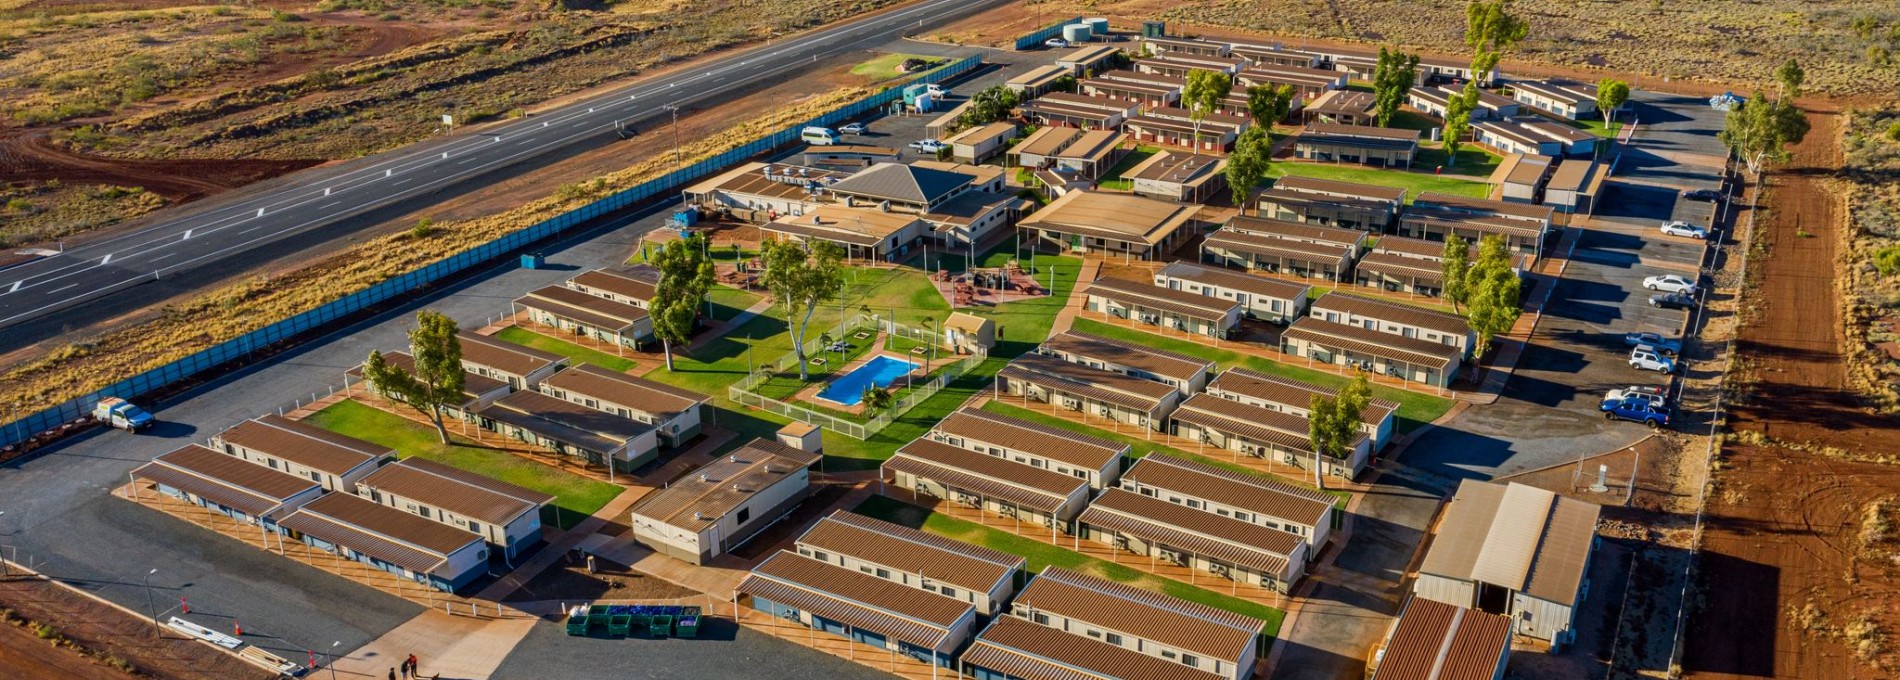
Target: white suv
[[1646, 358], [1670, 283]]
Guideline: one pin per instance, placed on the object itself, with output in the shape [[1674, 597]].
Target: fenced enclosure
[[940, 376], [1032, 40]]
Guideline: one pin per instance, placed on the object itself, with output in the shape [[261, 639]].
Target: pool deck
[[810, 393]]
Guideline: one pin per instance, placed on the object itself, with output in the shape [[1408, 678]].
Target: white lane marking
[[108, 258], [402, 181], [55, 290], [324, 206]]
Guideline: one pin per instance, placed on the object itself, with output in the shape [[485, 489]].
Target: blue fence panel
[[1033, 39]]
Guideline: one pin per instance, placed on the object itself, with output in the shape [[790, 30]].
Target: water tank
[[1154, 29], [1097, 26], [1076, 33]]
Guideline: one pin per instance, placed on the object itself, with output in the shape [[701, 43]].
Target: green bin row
[[620, 621]]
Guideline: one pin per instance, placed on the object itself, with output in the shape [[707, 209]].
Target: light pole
[[678, 161], [149, 605], [329, 658]]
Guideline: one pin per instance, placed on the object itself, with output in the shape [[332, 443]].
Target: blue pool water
[[881, 370]]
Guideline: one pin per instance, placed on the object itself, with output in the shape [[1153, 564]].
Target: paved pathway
[[1090, 269], [452, 646], [719, 331]]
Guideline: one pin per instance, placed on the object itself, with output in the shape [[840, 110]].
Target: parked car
[[1672, 301], [1055, 42], [927, 145], [1667, 346], [1702, 194], [853, 129], [1636, 411], [1681, 228], [1656, 396], [1670, 283], [1648, 359]]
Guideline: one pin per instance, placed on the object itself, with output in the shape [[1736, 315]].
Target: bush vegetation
[[1871, 244]]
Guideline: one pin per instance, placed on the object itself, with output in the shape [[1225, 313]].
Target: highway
[[213, 239]]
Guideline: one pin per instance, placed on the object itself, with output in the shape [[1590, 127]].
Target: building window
[[1191, 660], [1095, 633], [744, 514], [1114, 639], [884, 573], [1041, 618], [948, 591]]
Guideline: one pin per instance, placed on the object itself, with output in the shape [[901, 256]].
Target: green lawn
[[1472, 161], [548, 343], [1415, 409], [1414, 183], [1039, 556], [728, 302], [1113, 178], [1412, 120], [575, 497], [885, 67]]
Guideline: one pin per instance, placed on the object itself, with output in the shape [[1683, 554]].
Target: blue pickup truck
[[1635, 410]]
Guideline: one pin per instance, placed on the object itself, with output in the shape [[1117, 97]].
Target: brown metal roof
[[1414, 247], [1094, 383], [1088, 54], [1401, 265], [1046, 141], [1145, 614], [655, 398], [1330, 187], [1130, 75], [1093, 145], [1373, 343], [1515, 536], [1254, 493], [1177, 168], [1300, 231], [637, 282], [1344, 102], [1118, 216], [1212, 124], [1037, 488], [1278, 246], [592, 310], [1123, 86], [304, 444], [1368, 131], [1396, 312], [237, 483], [1524, 211], [1236, 280], [1112, 351], [1146, 294], [1203, 533], [452, 489], [1077, 449], [473, 385], [708, 493], [1437, 641], [1453, 219], [565, 421], [1028, 651], [859, 600], [1257, 423], [900, 547], [380, 531], [1293, 393], [504, 356]]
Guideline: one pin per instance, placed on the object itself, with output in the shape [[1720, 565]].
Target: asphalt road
[[314, 207]]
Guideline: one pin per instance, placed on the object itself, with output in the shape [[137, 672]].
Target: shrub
[[45, 631], [19, 205], [1887, 260], [424, 228], [1893, 131]]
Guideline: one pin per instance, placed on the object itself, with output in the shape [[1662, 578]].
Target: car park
[[1681, 228], [1702, 194], [1665, 345], [853, 129], [927, 145], [1055, 42], [1671, 283], [1636, 411], [1672, 301], [1648, 359], [1656, 396]]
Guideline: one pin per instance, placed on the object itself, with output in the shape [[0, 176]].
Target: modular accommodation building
[[332, 460], [872, 611], [1296, 397], [1403, 265], [596, 436], [967, 333], [1435, 101], [1436, 641], [1575, 186], [1093, 459], [1342, 107], [1070, 625], [1153, 305], [1375, 146], [1193, 539], [1533, 135], [1396, 318], [1093, 391], [948, 122], [1082, 61], [1409, 359], [676, 414], [1568, 99], [1143, 92], [1179, 65], [248, 493], [1029, 495], [1185, 47], [848, 157], [1275, 300], [1038, 80], [1277, 254], [1348, 205], [971, 217], [1062, 109], [1352, 239], [1175, 127], [982, 577], [1514, 550], [1083, 153], [478, 391], [1521, 178], [1264, 433], [520, 366], [761, 192], [863, 233], [1254, 499], [1109, 224], [507, 516], [724, 503], [1307, 83], [1436, 70], [985, 178], [589, 316], [1038, 150], [1276, 55], [1434, 216], [632, 285], [981, 143], [915, 188], [1181, 177], [1184, 373], [436, 555]]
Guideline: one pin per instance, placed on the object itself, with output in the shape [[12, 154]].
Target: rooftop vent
[[703, 477]]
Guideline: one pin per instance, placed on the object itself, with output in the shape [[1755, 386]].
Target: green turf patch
[[1039, 556], [1474, 162], [885, 67], [1413, 182], [547, 343], [575, 497], [1113, 178]]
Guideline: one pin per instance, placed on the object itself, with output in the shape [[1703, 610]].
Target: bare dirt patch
[[568, 580], [104, 630], [27, 156]]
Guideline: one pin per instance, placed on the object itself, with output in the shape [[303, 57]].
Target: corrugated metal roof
[[657, 399], [708, 493], [636, 282], [1112, 351], [1167, 620], [1299, 231], [1523, 211], [900, 547], [1112, 215], [236, 483], [1146, 294], [1046, 141], [304, 444], [1031, 652], [565, 421], [1289, 392], [1036, 488], [859, 600], [1002, 431], [1517, 537], [901, 183], [1278, 246], [1437, 641], [1246, 420], [380, 531], [1396, 312], [1372, 343], [592, 310], [1365, 192], [1094, 383], [1402, 265], [473, 384], [463, 493], [1236, 280], [504, 356], [1204, 533], [1253, 493]]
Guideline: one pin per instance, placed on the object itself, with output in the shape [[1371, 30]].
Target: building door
[[1494, 599]]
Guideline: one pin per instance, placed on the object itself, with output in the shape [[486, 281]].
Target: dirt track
[[104, 629], [31, 156]]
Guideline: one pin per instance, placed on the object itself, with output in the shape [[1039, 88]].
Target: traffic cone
[[237, 629], [183, 605]]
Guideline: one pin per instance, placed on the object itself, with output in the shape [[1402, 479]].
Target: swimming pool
[[881, 370]]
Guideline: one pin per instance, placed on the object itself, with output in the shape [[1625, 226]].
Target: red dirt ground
[[104, 629], [31, 156], [1783, 525]]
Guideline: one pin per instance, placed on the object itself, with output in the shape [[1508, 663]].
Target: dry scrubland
[[37, 212], [1871, 179], [1720, 40], [247, 305]]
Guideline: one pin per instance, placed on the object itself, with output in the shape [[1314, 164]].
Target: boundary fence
[[1031, 40], [742, 393], [271, 336]]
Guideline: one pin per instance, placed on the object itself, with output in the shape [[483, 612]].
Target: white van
[[822, 136]]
